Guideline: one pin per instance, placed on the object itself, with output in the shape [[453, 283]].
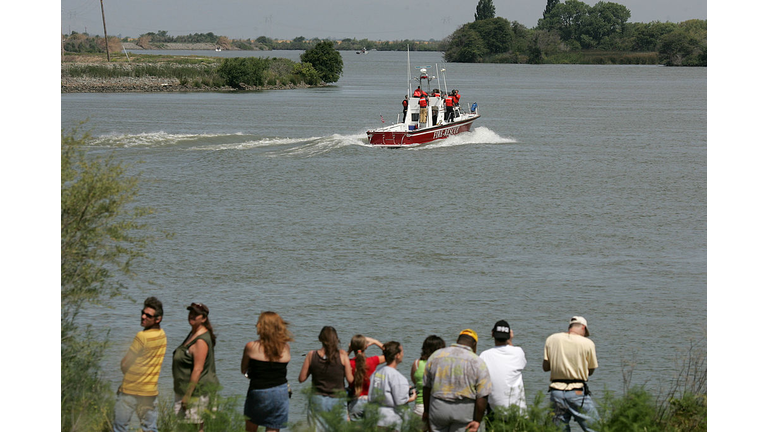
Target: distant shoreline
[[179, 47]]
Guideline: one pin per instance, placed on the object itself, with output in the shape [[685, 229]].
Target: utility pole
[[106, 39]]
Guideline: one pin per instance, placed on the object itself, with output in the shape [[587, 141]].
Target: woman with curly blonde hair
[[265, 363]]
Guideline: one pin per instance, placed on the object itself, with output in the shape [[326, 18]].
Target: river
[[582, 190]]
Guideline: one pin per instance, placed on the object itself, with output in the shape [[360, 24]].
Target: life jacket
[[417, 93], [423, 102], [449, 101], [405, 103], [456, 97]]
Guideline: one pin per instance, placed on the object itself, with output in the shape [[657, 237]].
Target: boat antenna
[[437, 73], [445, 82], [408, 47]]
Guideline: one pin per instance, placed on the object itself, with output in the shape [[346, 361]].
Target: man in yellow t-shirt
[[141, 369], [570, 358]]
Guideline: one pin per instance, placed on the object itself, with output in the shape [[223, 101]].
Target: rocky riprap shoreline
[[85, 84], [122, 84], [144, 84], [147, 85]]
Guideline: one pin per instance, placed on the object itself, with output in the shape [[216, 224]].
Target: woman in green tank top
[[194, 367], [431, 344]]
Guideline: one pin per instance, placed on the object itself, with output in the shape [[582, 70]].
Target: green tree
[[465, 46], [496, 33], [485, 10], [550, 5], [326, 61], [102, 235], [604, 19], [542, 44], [239, 72], [647, 36], [684, 46], [566, 19], [306, 73]]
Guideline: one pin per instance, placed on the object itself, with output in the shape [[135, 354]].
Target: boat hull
[[385, 137]]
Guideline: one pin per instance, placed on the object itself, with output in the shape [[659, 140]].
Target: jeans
[[268, 407], [576, 404], [357, 408], [319, 404], [145, 408], [451, 416]]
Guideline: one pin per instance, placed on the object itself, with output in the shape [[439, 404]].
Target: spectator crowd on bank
[[452, 388]]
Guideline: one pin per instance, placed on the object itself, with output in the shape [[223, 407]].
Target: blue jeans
[[145, 408], [319, 404], [356, 408], [268, 407], [573, 403]]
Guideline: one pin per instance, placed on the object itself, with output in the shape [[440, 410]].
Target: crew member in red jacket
[[449, 115], [456, 98], [423, 104]]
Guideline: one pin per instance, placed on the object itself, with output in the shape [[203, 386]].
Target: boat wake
[[480, 135], [319, 145], [276, 146]]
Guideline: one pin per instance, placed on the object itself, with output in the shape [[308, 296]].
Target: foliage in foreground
[[101, 237], [225, 415]]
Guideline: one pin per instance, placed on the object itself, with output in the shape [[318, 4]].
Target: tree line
[[568, 32], [574, 32]]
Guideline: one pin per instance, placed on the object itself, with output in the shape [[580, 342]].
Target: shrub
[[225, 414], [688, 413], [536, 418], [635, 411], [87, 402], [305, 72], [239, 72]]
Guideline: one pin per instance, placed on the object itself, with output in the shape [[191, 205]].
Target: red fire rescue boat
[[426, 120]]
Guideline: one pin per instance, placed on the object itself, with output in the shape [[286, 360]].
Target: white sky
[[336, 19], [737, 230]]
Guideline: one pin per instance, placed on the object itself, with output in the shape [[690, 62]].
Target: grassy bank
[[145, 72]]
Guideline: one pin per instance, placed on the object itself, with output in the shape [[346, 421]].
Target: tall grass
[[87, 402], [251, 72], [160, 70]]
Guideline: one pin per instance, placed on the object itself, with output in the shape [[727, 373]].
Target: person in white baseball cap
[[580, 320], [570, 358]]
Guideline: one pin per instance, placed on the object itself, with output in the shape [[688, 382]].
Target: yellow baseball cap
[[469, 332]]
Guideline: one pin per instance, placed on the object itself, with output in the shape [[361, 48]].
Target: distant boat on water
[[363, 51]]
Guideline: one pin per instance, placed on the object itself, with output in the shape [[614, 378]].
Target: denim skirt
[[268, 407]]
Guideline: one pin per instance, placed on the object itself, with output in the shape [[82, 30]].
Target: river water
[[581, 191]]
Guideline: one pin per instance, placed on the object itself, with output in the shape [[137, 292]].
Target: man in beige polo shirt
[[570, 358]]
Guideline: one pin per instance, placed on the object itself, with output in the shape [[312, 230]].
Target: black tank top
[[265, 375], [327, 378]]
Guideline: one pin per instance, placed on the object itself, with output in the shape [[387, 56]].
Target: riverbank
[[142, 73]]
